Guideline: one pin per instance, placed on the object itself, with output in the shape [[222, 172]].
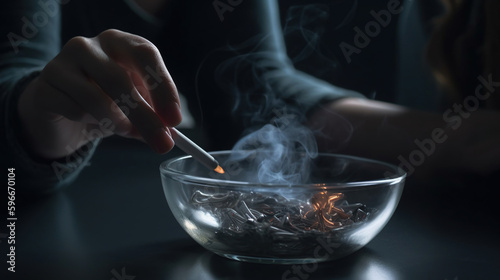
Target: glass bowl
[[328, 207]]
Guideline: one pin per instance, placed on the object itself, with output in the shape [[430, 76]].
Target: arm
[[92, 88], [25, 48], [422, 143], [240, 70], [259, 67]]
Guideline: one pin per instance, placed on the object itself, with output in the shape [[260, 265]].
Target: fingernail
[[168, 132]]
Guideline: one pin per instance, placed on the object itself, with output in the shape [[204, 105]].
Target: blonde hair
[[465, 44]]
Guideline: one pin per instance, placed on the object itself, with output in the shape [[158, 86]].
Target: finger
[[72, 86], [58, 104], [140, 86], [142, 57], [115, 83]]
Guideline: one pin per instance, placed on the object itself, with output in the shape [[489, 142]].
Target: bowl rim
[[398, 176]]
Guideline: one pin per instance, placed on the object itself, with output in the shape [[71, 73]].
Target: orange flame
[[219, 169], [326, 215]]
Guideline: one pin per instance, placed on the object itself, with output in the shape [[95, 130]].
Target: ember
[[324, 213], [275, 225]]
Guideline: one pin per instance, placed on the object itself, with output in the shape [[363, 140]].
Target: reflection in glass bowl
[[336, 209]]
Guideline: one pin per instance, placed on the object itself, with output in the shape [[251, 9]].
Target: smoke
[[281, 151], [305, 30], [277, 147], [305, 23], [247, 74], [265, 84]]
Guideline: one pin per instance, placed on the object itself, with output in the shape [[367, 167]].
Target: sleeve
[[243, 65], [30, 37]]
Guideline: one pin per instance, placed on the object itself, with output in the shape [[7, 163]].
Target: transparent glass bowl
[[336, 208]]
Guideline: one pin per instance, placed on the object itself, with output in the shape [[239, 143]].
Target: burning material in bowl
[[274, 226], [338, 207]]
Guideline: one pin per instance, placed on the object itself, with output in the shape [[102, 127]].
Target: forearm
[[35, 174], [252, 71], [420, 142], [25, 47]]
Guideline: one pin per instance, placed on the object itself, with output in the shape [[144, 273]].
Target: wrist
[[36, 127]]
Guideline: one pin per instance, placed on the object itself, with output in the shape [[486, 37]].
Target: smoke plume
[[265, 85]]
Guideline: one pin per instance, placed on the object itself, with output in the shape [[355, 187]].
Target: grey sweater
[[229, 61]]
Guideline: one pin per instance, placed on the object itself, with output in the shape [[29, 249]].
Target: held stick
[[189, 147]]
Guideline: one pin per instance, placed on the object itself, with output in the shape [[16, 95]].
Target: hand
[[115, 83]]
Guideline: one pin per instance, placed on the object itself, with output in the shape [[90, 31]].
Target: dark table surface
[[114, 223]]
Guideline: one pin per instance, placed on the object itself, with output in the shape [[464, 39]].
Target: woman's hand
[[115, 83]]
